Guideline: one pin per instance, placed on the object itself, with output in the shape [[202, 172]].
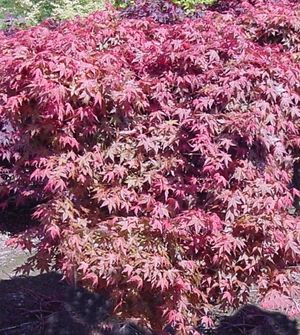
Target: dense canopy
[[160, 154]]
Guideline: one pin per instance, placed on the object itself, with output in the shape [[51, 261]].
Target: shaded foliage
[[163, 11], [251, 320]]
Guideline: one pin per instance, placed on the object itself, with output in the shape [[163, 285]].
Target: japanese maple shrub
[[160, 153]]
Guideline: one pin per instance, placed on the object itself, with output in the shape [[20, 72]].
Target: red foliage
[[161, 155]]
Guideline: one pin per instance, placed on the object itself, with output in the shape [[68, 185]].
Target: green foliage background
[[34, 11], [190, 4]]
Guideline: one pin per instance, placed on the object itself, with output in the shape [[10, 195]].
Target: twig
[[18, 326]]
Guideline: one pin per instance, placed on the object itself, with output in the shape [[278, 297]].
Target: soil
[[44, 304], [20, 313]]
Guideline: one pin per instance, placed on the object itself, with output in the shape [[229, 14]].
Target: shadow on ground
[[46, 305]]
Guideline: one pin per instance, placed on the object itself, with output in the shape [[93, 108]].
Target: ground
[[20, 313], [44, 304]]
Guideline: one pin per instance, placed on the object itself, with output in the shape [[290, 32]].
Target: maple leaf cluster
[[160, 154]]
